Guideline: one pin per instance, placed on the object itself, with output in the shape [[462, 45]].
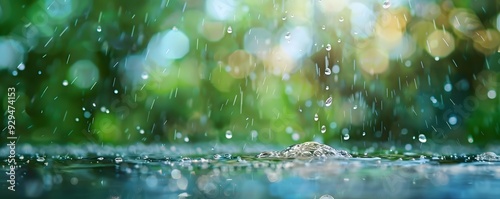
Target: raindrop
[[452, 120], [328, 71], [186, 139], [323, 27], [436, 58], [21, 66], [341, 19], [283, 18], [339, 40], [316, 117], [346, 136], [336, 69], [328, 47], [99, 29], [326, 197], [229, 30], [447, 87], [229, 134], [65, 83], [40, 159], [254, 134], [470, 139], [327, 88], [144, 75], [364, 133], [115, 91], [492, 94], [422, 138], [355, 107], [323, 129], [288, 35], [328, 101], [386, 4], [118, 160], [433, 100], [100, 158], [141, 131]]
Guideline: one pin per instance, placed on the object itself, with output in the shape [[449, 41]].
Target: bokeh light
[[12, 53], [440, 43], [83, 74]]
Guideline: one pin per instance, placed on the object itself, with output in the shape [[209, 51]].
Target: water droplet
[[21, 66], [100, 158], [283, 18], [40, 159], [327, 88], [316, 117], [328, 71], [346, 136], [326, 197], [339, 40], [452, 120], [422, 138], [141, 131], [492, 94], [87, 114], [364, 133], [470, 139], [323, 27], [186, 139], [99, 29], [115, 91], [288, 35], [229, 30], [355, 107], [328, 101], [118, 160], [448, 87], [65, 83], [328, 47], [386, 4], [436, 58], [144, 75], [229, 134], [323, 129], [217, 156], [341, 19], [174, 28]]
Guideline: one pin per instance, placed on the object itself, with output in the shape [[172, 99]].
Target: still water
[[241, 171]]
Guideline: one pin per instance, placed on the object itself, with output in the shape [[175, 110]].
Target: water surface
[[228, 171]]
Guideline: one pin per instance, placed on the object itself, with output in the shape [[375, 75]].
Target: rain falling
[[250, 99]]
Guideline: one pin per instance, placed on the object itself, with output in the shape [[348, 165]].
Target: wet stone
[[306, 150]]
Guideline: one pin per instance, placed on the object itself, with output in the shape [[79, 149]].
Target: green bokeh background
[[198, 101]]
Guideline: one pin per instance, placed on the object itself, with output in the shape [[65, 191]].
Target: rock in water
[[306, 150]]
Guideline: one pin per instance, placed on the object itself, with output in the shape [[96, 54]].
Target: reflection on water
[[158, 171]]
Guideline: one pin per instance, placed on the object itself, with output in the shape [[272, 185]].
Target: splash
[[306, 150]]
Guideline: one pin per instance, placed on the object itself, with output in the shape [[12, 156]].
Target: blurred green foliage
[[203, 97]]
